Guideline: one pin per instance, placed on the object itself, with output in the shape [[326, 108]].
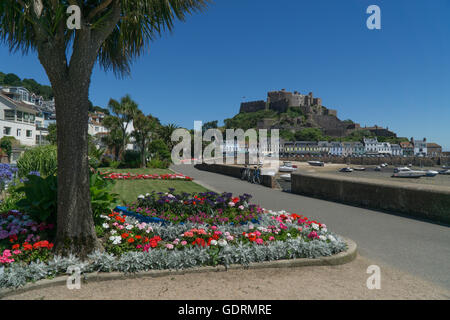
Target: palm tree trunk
[[75, 225]]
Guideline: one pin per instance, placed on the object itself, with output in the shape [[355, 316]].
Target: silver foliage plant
[[17, 275]]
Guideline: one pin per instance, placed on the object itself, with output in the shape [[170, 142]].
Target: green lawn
[[129, 190]]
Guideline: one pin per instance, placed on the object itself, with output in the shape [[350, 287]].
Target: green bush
[[102, 199], [114, 164], [10, 201], [105, 162], [40, 200], [156, 163], [41, 159], [131, 159]]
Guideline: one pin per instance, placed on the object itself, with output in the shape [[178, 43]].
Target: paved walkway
[[329, 282], [417, 247]]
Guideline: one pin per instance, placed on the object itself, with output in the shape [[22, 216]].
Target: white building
[[396, 150], [420, 147], [336, 149], [18, 120]]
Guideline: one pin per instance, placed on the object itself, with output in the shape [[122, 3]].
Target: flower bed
[[208, 207], [132, 245], [132, 176]]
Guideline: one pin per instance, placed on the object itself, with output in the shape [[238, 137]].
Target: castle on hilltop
[[312, 115], [281, 100]]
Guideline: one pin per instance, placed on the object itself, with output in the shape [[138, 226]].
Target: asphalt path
[[417, 247]]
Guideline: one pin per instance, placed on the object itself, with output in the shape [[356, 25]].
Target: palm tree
[[144, 126], [112, 33], [122, 116], [113, 141], [165, 133]]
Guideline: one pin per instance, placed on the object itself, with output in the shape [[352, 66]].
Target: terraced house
[[25, 116]]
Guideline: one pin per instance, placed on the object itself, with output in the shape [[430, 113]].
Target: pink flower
[[7, 253], [16, 252], [313, 235], [283, 226], [230, 238], [169, 246], [259, 241], [271, 238], [214, 228], [183, 243]]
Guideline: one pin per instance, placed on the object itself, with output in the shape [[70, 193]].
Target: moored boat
[[359, 169], [415, 174], [287, 167], [347, 169], [446, 172], [431, 173], [316, 163]]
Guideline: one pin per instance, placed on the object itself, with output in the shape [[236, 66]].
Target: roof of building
[[433, 145]]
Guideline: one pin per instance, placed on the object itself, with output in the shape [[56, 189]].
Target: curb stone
[[337, 259]]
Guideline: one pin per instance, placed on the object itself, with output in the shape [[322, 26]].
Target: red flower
[[125, 235], [235, 200], [16, 246], [130, 240]]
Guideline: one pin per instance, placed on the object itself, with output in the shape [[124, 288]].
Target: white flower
[[331, 238], [213, 242], [105, 225], [323, 238], [113, 231], [315, 226], [129, 227], [147, 194], [289, 235], [115, 239], [222, 242], [141, 196]]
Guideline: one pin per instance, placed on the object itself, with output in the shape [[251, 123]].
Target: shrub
[[102, 199], [158, 164], [115, 164], [106, 161], [131, 159], [41, 159], [40, 200]]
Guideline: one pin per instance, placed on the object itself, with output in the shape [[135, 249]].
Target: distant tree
[[144, 126], [158, 149], [210, 125], [309, 134], [113, 140], [122, 114], [51, 137], [165, 133], [6, 144], [2, 78], [12, 79]]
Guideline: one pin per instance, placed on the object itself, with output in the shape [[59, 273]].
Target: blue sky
[[398, 76]]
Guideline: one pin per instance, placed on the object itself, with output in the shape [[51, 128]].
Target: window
[[19, 131], [7, 131], [10, 115], [19, 115], [29, 133]]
